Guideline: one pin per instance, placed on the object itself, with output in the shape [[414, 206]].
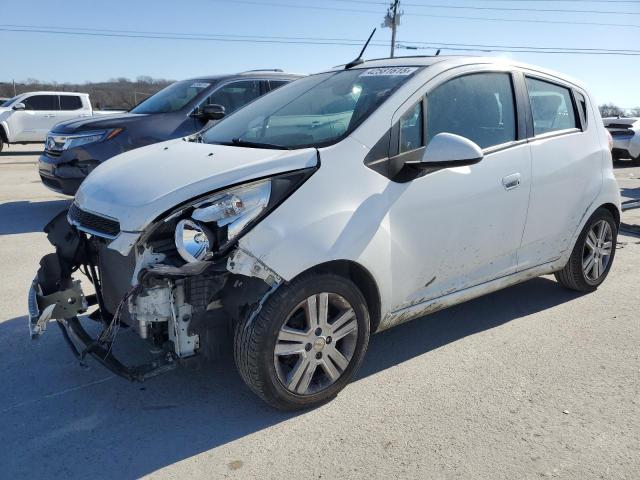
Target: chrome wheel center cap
[[319, 344]]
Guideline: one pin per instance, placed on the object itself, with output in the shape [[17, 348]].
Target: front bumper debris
[[63, 307], [62, 304], [54, 296]]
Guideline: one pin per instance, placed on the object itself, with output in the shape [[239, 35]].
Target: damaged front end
[[181, 285]]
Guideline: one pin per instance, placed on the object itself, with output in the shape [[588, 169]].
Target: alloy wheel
[[316, 343], [597, 250]]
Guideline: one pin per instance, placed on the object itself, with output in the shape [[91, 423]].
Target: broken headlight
[[217, 220]]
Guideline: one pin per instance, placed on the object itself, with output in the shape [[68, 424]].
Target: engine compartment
[[181, 309]]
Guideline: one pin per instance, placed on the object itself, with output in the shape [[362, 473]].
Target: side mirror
[[19, 106], [212, 112], [447, 150]]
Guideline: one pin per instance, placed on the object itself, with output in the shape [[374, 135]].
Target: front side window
[[478, 106], [70, 102], [411, 129], [551, 106], [41, 102], [235, 95], [172, 98], [314, 111]]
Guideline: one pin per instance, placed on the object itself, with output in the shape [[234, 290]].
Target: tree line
[[612, 110], [117, 93]]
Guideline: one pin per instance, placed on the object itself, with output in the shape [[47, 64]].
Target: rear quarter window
[[70, 102]]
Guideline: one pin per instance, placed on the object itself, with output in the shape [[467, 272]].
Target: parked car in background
[[626, 138], [73, 149], [28, 117], [340, 205]]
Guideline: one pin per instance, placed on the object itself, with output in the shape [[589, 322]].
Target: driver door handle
[[511, 181]]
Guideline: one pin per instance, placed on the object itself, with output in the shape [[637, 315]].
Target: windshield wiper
[[246, 143]]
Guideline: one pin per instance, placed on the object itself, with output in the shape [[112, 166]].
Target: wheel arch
[[613, 210], [362, 278]]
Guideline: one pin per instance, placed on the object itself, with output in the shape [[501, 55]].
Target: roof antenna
[[359, 60], [438, 52]]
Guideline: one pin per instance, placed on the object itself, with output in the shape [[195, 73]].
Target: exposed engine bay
[[180, 308]]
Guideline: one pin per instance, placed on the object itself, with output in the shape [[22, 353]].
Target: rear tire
[[592, 255], [306, 343], [1, 143]]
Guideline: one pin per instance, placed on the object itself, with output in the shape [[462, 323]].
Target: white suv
[[337, 206], [28, 117]]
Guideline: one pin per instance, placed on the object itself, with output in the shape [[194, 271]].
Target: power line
[[501, 9], [432, 15], [636, 2], [94, 32]]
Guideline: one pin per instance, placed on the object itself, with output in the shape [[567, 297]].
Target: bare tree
[[116, 93], [610, 110]]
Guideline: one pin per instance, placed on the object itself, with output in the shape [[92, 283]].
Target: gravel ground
[[533, 381]]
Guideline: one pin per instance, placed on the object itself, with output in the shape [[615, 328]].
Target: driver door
[[459, 227]]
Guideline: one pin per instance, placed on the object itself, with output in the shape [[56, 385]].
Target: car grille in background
[[93, 223]]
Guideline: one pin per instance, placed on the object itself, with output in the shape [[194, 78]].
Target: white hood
[[138, 186]]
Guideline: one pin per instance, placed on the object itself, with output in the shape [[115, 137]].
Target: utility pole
[[392, 20], [14, 87]]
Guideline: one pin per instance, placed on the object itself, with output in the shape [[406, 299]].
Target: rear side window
[[273, 84], [478, 106], [41, 102], [70, 102], [551, 107], [235, 95]]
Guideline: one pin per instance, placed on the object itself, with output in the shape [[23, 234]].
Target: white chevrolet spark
[[337, 206]]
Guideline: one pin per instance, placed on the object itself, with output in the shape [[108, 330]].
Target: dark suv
[[74, 148]]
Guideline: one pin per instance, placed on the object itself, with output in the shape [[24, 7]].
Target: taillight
[[610, 140]]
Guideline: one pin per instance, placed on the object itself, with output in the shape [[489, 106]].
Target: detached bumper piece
[[55, 296]]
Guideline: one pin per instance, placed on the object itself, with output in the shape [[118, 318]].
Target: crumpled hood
[[138, 186]]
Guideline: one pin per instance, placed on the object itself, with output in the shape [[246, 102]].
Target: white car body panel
[[437, 240], [174, 172], [565, 184]]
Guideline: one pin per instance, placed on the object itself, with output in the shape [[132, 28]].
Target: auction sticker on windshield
[[199, 85], [388, 71]]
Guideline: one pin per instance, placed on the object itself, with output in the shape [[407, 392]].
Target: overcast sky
[[78, 58]]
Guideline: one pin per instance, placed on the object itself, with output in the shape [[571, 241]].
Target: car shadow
[[87, 423], [21, 153], [630, 193], [27, 216]]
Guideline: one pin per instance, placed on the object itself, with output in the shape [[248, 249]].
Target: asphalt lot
[[533, 381]]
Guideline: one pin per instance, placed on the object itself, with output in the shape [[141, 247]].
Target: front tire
[[592, 255], [306, 343]]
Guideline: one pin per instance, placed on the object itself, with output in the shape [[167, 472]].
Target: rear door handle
[[511, 181], [50, 115]]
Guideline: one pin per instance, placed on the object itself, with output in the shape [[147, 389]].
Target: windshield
[[9, 101], [314, 111], [172, 98]]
